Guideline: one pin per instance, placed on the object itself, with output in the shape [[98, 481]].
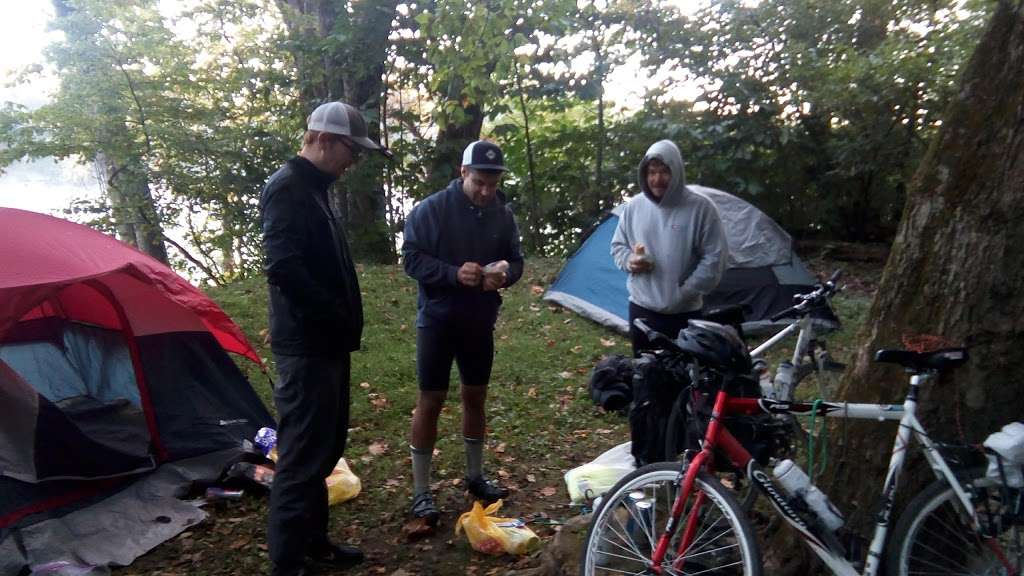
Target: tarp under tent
[[763, 272], [111, 366]]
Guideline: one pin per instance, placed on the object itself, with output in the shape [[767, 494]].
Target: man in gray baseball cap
[[316, 321], [344, 120]]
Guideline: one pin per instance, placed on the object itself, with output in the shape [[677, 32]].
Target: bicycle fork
[[684, 487]]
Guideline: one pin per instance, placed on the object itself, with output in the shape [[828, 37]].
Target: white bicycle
[[677, 518]]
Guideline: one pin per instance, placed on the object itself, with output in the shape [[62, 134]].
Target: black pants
[[312, 399], [667, 324]]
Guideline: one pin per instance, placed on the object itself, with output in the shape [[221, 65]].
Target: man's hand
[[494, 280], [495, 275], [470, 274], [639, 261]]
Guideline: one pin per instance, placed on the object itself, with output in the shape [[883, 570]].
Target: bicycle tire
[[675, 443], [623, 533], [933, 536]]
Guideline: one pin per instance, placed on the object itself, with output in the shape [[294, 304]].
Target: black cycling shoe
[[423, 507], [336, 555], [487, 490]]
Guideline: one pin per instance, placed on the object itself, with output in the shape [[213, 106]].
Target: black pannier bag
[[611, 383], [655, 389]]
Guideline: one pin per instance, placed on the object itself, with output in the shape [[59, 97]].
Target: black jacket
[[442, 233], [315, 305]]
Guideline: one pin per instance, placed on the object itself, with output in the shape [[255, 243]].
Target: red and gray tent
[[110, 364]]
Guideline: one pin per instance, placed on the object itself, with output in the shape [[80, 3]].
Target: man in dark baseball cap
[[461, 246]]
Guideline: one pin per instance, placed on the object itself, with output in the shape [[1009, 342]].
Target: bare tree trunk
[[532, 228], [955, 270], [134, 211], [447, 155]]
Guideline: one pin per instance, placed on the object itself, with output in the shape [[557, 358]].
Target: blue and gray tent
[[764, 272]]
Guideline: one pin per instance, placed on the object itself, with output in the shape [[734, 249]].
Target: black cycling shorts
[[472, 348]]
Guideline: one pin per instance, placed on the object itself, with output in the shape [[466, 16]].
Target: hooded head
[[654, 181]]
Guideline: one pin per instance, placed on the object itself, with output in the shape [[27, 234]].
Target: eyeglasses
[[354, 149]]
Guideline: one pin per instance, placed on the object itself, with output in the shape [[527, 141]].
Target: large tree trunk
[[956, 270], [126, 185], [340, 56], [446, 157]]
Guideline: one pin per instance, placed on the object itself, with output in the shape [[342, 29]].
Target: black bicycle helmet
[[714, 345]]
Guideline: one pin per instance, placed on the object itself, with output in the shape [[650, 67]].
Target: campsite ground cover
[[542, 423]]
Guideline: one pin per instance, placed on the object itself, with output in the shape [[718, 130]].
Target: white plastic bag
[[1009, 444], [594, 478]]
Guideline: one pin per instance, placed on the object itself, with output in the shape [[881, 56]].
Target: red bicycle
[[677, 518]]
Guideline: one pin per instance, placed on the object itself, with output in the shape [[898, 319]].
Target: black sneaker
[[483, 489], [336, 555], [423, 507]]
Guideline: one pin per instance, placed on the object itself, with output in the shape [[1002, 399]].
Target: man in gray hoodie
[[671, 242]]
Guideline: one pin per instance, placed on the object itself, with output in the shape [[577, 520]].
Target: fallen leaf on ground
[[531, 478], [607, 342], [500, 449], [503, 473], [364, 384], [548, 491], [532, 392], [416, 528], [576, 349], [536, 290], [566, 374], [378, 448]]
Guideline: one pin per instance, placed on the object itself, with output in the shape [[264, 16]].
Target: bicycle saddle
[[918, 362]]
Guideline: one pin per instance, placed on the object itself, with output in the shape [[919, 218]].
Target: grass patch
[[541, 424]]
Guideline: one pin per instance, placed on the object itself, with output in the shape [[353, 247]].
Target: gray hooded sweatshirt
[[683, 235]]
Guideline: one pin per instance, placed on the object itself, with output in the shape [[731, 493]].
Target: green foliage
[[816, 112], [845, 95], [203, 116]]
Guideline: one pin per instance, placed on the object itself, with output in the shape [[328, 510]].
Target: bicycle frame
[[819, 539]]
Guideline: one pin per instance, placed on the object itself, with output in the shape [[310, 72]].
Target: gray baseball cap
[[345, 120]]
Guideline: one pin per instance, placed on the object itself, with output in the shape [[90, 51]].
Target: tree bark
[[451, 142], [956, 270], [339, 55]]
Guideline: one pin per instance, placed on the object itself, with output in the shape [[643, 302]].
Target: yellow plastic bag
[[342, 484], [496, 536]]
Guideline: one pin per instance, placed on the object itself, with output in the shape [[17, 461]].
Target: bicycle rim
[[940, 541], [626, 528]]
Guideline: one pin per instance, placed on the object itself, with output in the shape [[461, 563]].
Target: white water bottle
[[794, 481]]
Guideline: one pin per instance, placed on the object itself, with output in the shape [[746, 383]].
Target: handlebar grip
[[836, 276]]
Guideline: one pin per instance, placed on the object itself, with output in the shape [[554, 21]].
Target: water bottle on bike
[[795, 482]]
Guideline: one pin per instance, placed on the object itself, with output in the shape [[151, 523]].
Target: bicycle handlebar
[[652, 334], [809, 300]]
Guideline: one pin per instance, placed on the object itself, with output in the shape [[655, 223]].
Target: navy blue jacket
[[442, 233], [315, 305]]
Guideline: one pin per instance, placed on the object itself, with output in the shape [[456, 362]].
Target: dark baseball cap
[[345, 120], [484, 155]]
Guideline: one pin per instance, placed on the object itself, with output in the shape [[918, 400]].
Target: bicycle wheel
[[934, 536], [626, 527], [676, 443]]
